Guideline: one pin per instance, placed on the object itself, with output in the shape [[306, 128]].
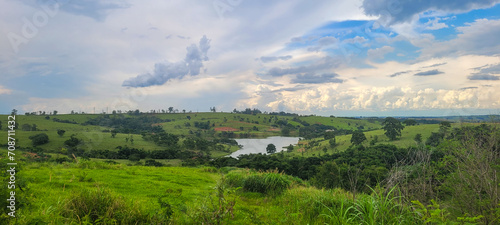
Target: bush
[[266, 183], [152, 162], [39, 139], [99, 206]]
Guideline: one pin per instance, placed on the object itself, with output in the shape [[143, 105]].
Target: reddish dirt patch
[[225, 129], [273, 129]]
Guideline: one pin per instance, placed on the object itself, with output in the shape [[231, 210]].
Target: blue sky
[[341, 57]]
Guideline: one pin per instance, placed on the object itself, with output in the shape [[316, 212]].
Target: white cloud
[[4, 91], [434, 24], [379, 53], [478, 38]]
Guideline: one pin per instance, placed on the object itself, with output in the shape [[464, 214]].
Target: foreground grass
[[100, 193]]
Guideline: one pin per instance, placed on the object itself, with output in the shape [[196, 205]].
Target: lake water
[[259, 145]]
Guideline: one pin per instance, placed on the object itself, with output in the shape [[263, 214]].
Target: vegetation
[[393, 127], [343, 171]]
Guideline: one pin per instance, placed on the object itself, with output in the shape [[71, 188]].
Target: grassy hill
[[86, 191], [99, 137]]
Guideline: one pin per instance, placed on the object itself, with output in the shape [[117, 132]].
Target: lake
[[259, 145]]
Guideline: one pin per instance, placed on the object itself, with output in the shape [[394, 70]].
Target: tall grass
[[270, 182], [100, 206]]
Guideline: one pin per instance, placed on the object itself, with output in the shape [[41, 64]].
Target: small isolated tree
[[289, 148], [113, 133], [418, 138], [332, 142], [329, 135], [392, 127], [60, 132], [358, 137], [39, 139], [271, 149], [72, 141], [444, 127]]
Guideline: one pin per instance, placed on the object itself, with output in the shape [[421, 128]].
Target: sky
[[331, 57]]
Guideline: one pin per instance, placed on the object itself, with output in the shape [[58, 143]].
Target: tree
[[332, 142], [392, 127], [72, 141], [410, 122], [418, 138], [14, 112], [285, 131], [0, 125], [113, 133], [60, 132], [34, 127], [358, 137], [289, 148], [444, 127], [434, 139], [54, 113], [170, 109], [39, 139], [329, 135], [271, 148]]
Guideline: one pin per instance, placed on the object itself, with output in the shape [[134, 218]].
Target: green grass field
[[191, 194], [95, 137]]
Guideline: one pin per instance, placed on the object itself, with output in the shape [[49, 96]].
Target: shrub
[[39, 139], [99, 206], [266, 183]]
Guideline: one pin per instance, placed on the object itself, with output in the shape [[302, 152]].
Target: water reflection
[[259, 145]]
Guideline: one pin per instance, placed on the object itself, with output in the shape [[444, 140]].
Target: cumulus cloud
[[322, 64], [324, 98], [315, 79], [398, 11], [435, 24], [429, 73], [266, 59], [379, 53], [163, 72]]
